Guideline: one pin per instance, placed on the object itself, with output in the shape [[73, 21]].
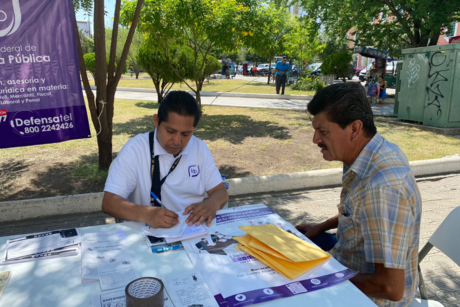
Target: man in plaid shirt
[[378, 221]]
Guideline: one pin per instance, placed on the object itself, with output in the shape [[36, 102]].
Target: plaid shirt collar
[[362, 163]]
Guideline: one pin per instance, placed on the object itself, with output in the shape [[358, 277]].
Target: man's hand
[[311, 229], [160, 217], [201, 212]]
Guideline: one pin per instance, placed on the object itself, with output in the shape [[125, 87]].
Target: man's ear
[[156, 120], [356, 129]]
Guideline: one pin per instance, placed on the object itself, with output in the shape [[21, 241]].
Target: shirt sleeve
[[212, 176], [122, 178], [386, 227]]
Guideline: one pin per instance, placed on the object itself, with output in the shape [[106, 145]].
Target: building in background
[[85, 28]]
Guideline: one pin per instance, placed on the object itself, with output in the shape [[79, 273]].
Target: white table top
[[57, 282]]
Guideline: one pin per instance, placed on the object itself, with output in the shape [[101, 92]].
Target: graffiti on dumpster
[[412, 72], [435, 76]]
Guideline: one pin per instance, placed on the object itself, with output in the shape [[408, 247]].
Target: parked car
[[358, 70], [314, 66], [317, 72], [263, 68]]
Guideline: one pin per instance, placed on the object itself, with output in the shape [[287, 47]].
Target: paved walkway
[[440, 196], [245, 102]]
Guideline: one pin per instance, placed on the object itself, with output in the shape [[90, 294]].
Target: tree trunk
[[269, 72], [104, 144], [198, 98]]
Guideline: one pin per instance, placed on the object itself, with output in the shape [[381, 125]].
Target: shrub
[[308, 84]]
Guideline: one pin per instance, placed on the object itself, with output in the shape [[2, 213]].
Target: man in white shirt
[[184, 165]]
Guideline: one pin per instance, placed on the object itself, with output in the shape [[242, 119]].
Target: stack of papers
[[181, 231], [106, 258], [53, 244], [280, 250]]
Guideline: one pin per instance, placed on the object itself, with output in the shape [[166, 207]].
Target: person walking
[[383, 89], [281, 69]]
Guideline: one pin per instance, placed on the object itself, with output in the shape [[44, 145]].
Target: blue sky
[[109, 7]]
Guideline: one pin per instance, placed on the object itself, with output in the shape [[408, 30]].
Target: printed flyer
[[238, 279], [41, 99]]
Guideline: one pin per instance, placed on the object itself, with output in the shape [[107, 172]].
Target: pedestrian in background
[[281, 69]]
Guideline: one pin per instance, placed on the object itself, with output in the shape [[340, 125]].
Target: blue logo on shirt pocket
[[193, 170]]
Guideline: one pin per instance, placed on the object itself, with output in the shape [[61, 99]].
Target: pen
[[156, 198]]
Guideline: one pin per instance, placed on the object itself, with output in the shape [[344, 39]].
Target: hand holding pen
[[162, 217]]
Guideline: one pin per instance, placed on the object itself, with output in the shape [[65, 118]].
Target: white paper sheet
[[94, 247], [41, 243], [116, 270], [189, 290]]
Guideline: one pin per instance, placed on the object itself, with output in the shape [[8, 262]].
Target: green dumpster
[[428, 86]]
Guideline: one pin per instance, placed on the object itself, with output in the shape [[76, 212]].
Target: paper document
[[53, 244], [42, 243], [116, 269], [181, 231], [94, 249], [189, 290]]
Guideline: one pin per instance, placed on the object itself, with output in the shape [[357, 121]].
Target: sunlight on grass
[[216, 85]]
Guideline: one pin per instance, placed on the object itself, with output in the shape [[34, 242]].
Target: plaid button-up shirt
[[379, 215]]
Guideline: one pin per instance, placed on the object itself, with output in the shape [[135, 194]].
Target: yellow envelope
[[285, 243], [249, 241], [255, 255], [290, 269]]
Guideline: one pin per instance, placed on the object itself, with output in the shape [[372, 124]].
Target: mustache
[[322, 145]]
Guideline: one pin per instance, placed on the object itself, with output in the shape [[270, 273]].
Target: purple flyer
[[41, 99]]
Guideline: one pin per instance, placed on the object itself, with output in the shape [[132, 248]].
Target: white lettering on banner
[[31, 58], [44, 124]]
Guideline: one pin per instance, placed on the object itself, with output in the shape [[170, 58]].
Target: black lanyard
[[155, 172]]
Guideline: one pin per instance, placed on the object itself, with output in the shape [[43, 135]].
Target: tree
[[106, 78], [302, 42], [333, 44], [123, 32], [270, 29], [90, 63], [384, 23], [200, 25], [153, 61], [337, 64], [87, 44]]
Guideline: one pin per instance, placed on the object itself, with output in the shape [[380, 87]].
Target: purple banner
[[243, 214], [41, 99], [291, 289]]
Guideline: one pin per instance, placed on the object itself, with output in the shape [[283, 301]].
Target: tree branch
[[113, 46]]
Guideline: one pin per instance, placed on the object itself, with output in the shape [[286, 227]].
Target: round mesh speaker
[[144, 287]]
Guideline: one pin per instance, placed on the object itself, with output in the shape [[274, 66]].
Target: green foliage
[[337, 64], [87, 44], [203, 26], [302, 43], [388, 25], [333, 44], [90, 63], [308, 84], [138, 39]]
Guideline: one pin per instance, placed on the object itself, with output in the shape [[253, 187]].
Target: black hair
[[284, 58], [344, 103], [181, 103]]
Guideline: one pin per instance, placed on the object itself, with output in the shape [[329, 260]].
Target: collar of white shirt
[[159, 150]]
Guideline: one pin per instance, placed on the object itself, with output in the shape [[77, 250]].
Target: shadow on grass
[[231, 171], [236, 128], [148, 105], [79, 176], [232, 128]]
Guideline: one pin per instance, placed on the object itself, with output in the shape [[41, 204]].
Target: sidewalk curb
[[221, 94], [84, 203]]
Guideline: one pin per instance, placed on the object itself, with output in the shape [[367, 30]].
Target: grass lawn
[[217, 85], [244, 142]]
